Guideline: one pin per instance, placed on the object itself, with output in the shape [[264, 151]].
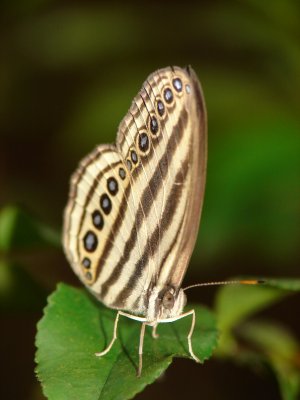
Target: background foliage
[[68, 71]]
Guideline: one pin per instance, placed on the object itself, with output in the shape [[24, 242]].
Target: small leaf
[[281, 351], [20, 230], [285, 284], [234, 304], [75, 326], [18, 290], [237, 302]]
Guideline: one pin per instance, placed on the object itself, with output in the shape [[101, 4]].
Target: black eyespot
[[168, 95], [122, 173], [88, 276], [105, 203], [112, 186], [160, 108], [98, 220], [154, 125], [177, 84], [143, 142], [90, 241], [129, 165], [134, 157], [86, 262]]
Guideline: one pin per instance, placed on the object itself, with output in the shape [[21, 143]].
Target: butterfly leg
[[192, 312], [155, 335], [142, 335], [102, 353], [189, 337]]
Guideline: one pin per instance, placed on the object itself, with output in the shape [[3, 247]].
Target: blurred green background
[[68, 73]]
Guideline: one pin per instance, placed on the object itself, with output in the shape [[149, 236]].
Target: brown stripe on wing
[[84, 164], [147, 197], [170, 249], [160, 141], [173, 199], [141, 214], [154, 186]]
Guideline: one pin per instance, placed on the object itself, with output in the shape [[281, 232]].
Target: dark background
[[68, 73]]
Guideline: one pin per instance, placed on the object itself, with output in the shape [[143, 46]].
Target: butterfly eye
[[168, 300]]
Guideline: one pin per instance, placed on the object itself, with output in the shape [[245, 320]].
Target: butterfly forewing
[[194, 183], [134, 208]]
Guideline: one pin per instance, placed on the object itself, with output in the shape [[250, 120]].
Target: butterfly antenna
[[219, 283]]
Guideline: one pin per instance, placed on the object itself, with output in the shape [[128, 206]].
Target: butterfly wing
[[186, 202], [134, 208]]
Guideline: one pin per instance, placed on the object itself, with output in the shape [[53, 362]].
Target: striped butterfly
[[134, 207]]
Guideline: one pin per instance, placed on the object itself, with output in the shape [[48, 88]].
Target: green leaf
[[19, 292], [234, 304], [75, 326], [281, 351], [285, 284], [21, 230]]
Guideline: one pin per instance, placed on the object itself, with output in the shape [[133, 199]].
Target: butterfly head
[[165, 303]]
